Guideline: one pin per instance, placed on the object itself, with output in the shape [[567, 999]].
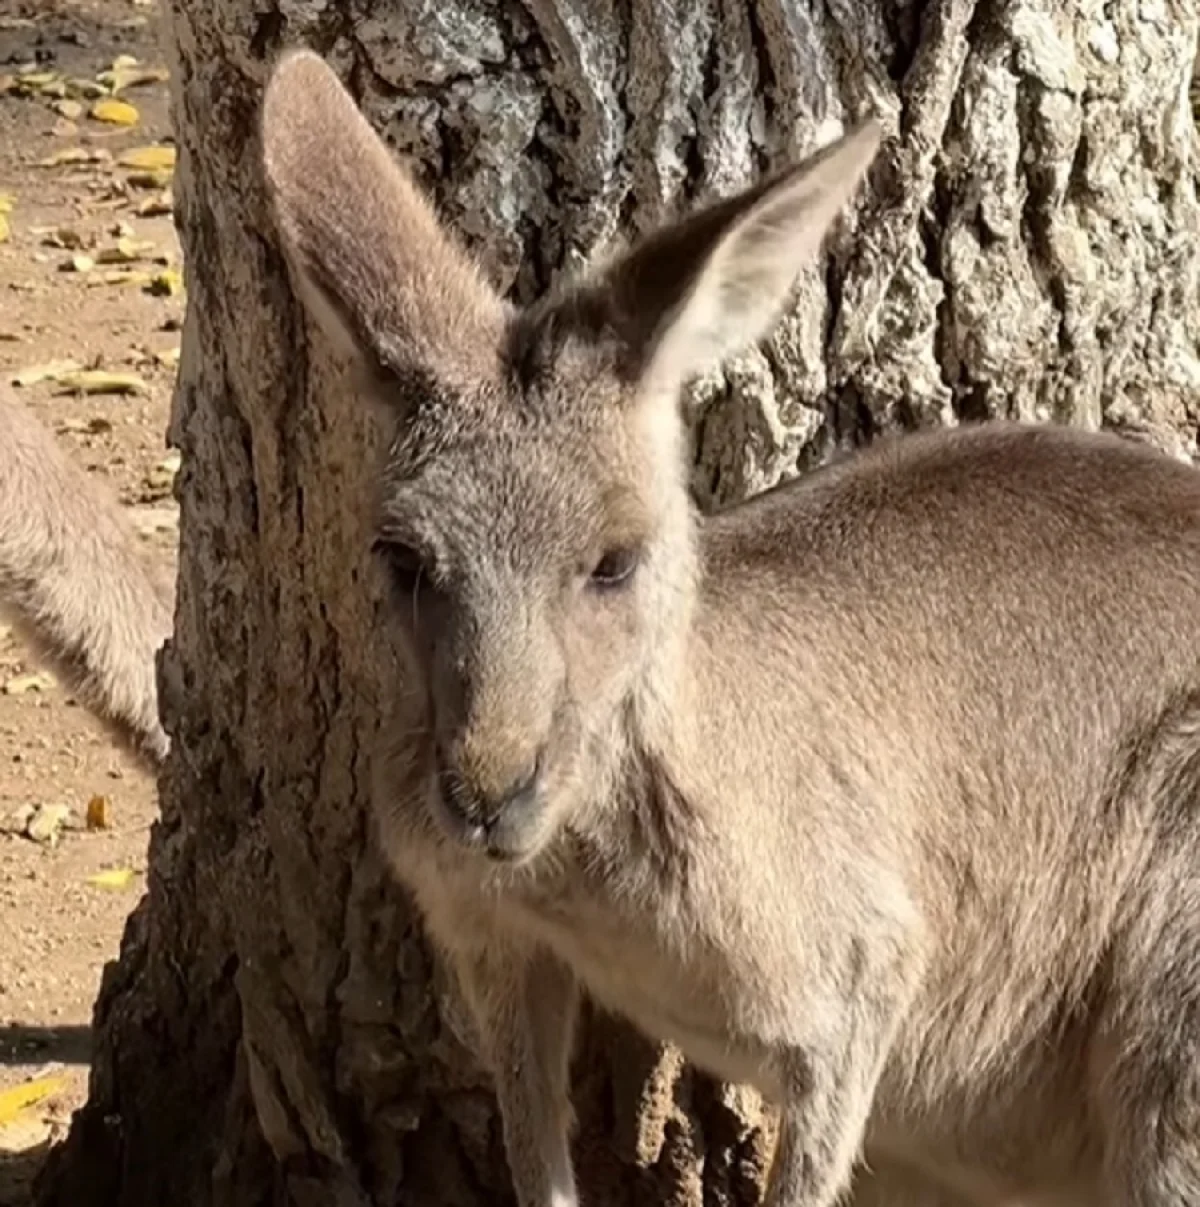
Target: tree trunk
[[275, 1030]]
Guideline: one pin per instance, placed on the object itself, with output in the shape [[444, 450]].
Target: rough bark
[[275, 1029]]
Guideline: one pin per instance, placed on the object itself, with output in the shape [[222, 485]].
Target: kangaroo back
[[75, 585]]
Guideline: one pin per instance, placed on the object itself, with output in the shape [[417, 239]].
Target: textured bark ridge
[[275, 1030]]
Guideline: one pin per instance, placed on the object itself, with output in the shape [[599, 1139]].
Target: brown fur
[[879, 792], [75, 586]]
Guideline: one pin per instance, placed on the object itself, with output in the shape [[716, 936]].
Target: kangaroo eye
[[614, 568], [403, 563]]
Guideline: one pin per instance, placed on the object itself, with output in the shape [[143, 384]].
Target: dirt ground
[[88, 257]]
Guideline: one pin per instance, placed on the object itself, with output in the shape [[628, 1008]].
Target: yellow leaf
[[100, 381], [28, 83], [47, 824], [168, 356], [5, 229], [151, 159], [79, 263], [116, 113], [7, 201], [71, 110], [98, 813], [46, 372], [123, 62], [165, 284], [20, 1098], [113, 878], [126, 251]]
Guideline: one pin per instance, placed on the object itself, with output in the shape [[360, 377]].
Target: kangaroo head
[[533, 516]]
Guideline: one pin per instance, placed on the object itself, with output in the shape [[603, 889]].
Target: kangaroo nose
[[521, 793], [508, 825], [481, 807]]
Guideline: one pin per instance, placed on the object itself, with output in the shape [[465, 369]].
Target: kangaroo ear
[[369, 258], [697, 291]]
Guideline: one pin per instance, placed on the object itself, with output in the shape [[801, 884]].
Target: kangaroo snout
[[505, 821]]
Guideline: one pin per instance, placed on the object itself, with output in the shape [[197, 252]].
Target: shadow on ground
[[17, 1173], [22, 1045]]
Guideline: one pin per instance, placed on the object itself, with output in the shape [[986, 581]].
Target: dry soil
[[69, 291]]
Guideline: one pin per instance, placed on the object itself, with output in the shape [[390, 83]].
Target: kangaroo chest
[[660, 971]]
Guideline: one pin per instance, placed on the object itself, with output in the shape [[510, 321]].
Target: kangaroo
[[75, 586], [879, 792]]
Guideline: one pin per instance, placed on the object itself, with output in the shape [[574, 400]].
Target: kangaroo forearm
[[74, 584]]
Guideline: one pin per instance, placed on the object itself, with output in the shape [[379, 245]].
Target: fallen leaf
[[123, 62], [113, 878], [131, 75], [71, 110], [123, 276], [30, 83], [88, 89], [166, 284], [154, 207], [35, 681], [114, 112], [99, 381], [127, 251], [7, 201], [98, 809], [31, 1131], [70, 155], [152, 158], [32, 374], [167, 356], [46, 825], [19, 1098], [79, 263], [5, 229]]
